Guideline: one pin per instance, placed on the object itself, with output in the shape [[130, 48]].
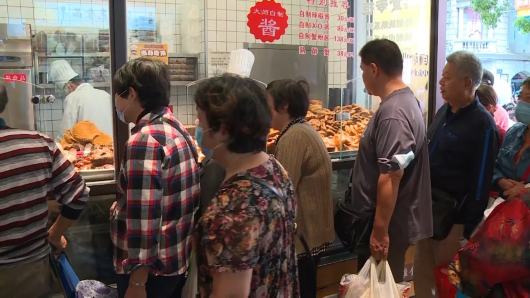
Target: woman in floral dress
[[246, 236]]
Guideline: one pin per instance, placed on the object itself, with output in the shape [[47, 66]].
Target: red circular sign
[[267, 20]]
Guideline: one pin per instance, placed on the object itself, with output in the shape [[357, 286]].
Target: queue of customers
[[256, 223]]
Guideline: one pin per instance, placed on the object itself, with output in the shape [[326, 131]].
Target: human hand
[[54, 207], [112, 208], [505, 184], [379, 242], [58, 243], [515, 190], [135, 292]]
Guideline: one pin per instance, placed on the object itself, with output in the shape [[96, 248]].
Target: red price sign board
[[15, 77], [267, 20]]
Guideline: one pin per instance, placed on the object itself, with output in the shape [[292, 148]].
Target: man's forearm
[[59, 227], [387, 191]]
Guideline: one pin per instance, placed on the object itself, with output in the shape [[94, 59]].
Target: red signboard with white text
[[267, 20], [15, 77]]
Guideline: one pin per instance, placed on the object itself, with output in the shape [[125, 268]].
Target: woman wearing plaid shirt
[[158, 187]]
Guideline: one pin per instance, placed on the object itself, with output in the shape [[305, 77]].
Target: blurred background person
[[504, 92], [246, 237], [82, 101], [31, 166], [158, 189], [464, 143], [512, 164], [488, 98], [301, 151]]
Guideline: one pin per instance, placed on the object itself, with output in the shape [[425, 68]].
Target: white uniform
[[87, 103]]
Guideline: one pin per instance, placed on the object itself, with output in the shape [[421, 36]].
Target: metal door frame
[[118, 58]]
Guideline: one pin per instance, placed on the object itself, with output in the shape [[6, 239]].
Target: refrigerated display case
[[16, 64]]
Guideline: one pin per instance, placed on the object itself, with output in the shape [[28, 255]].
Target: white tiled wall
[[224, 29], [227, 29]]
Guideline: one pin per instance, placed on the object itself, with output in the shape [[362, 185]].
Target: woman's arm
[[232, 284]]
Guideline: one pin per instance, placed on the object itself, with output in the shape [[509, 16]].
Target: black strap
[[186, 137], [282, 197]]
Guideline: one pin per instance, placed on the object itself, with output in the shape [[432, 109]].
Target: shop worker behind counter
[[391, 171], [463, 145], [82, 102], [31, 166], [158, 186]]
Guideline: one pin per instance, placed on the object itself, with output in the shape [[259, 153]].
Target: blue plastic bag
[[65, 273]]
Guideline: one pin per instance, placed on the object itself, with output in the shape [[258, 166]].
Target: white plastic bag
[[375, 281]]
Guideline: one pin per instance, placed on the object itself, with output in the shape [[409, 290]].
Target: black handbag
[[353, 227], [445, 209]]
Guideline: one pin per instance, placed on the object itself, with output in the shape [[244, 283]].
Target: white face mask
[[121, 114]]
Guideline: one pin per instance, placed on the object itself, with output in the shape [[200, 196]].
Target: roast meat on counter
[[87, 147], [329, 128]]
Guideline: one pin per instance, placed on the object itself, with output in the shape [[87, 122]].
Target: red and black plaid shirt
[[158, 193]]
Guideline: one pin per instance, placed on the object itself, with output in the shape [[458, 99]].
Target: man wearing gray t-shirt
[[391, 175]]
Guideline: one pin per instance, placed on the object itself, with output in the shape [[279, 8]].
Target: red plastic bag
[[446, 280]]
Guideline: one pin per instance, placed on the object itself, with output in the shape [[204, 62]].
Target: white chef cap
[[61, 71], [241, 62]]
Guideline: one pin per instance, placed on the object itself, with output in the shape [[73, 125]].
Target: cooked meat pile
[[329, 128], [83, 133], [94, 147]]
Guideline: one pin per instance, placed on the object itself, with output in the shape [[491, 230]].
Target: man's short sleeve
[[394, 143]]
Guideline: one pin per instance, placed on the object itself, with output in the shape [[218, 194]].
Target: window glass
[[317, 40], [501, 43], [177, 29], [56, 66]]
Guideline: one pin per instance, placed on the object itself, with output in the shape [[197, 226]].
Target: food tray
[[97, 175]]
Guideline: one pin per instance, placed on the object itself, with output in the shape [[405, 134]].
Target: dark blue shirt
[[462, 151]]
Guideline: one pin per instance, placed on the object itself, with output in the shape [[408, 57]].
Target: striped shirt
[[158, 194], [31, 166]]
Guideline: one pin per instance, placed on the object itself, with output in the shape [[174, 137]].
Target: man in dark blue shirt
[[463, 145]]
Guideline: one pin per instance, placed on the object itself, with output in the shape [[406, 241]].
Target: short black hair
[[149, 78], [292, 93], [385, 54], [3, 98], [487, 77], [239, 104]]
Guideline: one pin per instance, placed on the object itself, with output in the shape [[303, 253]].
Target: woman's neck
[[285, 123], [239, 162]]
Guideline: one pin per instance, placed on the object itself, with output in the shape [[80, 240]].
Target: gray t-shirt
[[395, 135]]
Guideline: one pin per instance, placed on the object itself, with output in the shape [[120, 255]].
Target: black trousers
[[307, 276], [156, 286]]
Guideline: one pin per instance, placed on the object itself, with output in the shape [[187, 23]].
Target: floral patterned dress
[[247, 226]]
